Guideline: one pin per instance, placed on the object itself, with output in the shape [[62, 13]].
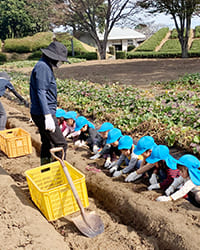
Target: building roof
[[118, 33]]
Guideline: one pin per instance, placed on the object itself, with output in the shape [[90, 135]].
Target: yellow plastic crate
[[15, 142], [51, 192]]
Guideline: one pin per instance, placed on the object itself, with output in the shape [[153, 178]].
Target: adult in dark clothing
[[6, 84], [43, 94]]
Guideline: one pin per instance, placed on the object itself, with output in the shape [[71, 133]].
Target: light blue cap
[[193, 165], [113, 135], [105, 127], [70, 115], [60, 113], [161, 152], [125, 142], [82, 121], [145, 143]]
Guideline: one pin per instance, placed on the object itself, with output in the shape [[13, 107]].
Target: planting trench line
[[142, 214]]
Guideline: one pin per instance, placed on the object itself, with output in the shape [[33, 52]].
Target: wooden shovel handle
[[58, 149]]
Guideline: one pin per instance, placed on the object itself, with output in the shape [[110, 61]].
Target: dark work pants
[[48, 138], [3, 117]]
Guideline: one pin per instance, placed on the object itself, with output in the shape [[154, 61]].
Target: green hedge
[[87, 56], [3, 58], [29, 43], [131, 55], [130, 47], [120, 55], [174, 33], [42, 40], [151, 43], [66, 39], [171, 45], [197, 32], [35, 55], [195, 46]]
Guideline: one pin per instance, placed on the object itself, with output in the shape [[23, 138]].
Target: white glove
[[95, 149], [154, 186], [153, 179], [49, 123], [69, 136], [80, 143], [94, 157], [117, 173], [114, 163], [107, 163], [169, 190], [77, 143], [132, 177], [163, 198], [113, 169]]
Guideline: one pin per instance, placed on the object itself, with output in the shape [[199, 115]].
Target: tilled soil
[[139, 72], [131, 216]]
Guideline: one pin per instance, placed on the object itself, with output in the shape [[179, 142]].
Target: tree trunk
[[184, 48], [101, 48]]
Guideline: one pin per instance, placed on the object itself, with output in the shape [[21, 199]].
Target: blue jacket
[[5, 84], [43, 89]]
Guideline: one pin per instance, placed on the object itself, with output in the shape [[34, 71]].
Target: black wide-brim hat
[[56, 51]]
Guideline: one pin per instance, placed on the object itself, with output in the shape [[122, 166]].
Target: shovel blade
[[92, 227]]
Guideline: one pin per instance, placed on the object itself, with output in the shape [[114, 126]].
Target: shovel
[[88, 224]]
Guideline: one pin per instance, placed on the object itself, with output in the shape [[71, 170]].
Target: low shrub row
[[87, 55], [197, 32], [153, 41], [171, 45], [159, 54], [195, 46], [3, 58], [29, 43], [174, 33]]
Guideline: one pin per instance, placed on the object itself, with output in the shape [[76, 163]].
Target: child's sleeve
[[105, 150], [121, 160], [131, 165], [187, 187]]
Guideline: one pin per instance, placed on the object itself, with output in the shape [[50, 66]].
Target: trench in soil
[[122, 202]]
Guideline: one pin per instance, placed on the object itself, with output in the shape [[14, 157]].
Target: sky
[[166, 20], [160, 20]]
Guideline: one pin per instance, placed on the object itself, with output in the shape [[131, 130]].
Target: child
[[126, 147], [70, 120], [113, 139], [88, 134], [103, 131], [6, 84], [144, 147], [164, 168], [188, 166], [60, 113]]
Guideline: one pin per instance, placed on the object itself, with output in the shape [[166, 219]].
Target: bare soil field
[[139, 72], [131, 216]]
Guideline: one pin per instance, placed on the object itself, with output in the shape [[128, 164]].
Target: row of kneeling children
[[123, 156]]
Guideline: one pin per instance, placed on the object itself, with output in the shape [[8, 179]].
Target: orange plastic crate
[[15, 142], [51, 192]]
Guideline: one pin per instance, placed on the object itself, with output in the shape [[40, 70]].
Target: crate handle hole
[[45, 170]]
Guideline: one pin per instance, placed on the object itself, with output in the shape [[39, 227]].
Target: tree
[[181, 12], [40, 13], [20, 18], [95, 16], [13, 19]]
